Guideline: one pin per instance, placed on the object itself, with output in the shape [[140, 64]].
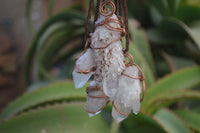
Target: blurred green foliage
[[165, 37]]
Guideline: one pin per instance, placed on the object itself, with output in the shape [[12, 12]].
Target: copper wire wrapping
[[77, 68], [106, 11], [95, 88], [120, 111], [124, 32]]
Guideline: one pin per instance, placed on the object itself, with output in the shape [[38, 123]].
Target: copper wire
[[141, 78], [97, 11], [126, 25], [120, 7], [126, 114], [116, 5], [95, 88], [85, 48], [106, 11], [88, 19], [78, 70]]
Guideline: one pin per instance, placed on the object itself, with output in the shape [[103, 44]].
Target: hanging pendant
[[117, 78]]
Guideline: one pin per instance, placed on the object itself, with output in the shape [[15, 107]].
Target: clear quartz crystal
[[95, 104], [129, 89], [109, 60], [85, 62], [116, 115], [81, 79], [127, 97]]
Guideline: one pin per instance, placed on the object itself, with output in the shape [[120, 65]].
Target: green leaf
[[173, 5], [139, 10], [191, 118], [193, 32], [114, 127], [140, 60], [141, 123], [140, 40], [56, 92], [180, 80], [65, 118], [47, 54], [45, 39], [156, 36], [161, 6], [52, 30], [171, 122], [165, 99], [180, 62], [67, 17], [188, 14]]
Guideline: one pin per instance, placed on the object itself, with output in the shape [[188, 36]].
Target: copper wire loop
[[130, 58], [106, 11]]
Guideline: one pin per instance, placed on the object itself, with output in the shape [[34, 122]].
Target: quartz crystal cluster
[[114, 81]]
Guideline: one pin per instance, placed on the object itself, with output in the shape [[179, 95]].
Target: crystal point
[[85, 62]]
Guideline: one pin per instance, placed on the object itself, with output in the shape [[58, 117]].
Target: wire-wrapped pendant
[[115, 79]]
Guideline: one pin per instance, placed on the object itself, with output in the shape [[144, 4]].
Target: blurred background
[[15, 39], [40, 39]]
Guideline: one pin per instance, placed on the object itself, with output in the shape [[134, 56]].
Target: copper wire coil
[[130, 59], [106, 11]]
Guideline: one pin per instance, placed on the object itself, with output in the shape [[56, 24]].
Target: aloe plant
[[166, 44], [59, 100]]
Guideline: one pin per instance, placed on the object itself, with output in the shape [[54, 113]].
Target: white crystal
[[95, 104], [81, 79], [109, 60], [116, 115], [91, 115], [129, 89], [85, 62]]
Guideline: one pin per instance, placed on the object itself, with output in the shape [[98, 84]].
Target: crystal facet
[[116, 115], [130, 89], [85, 62], [95, 104]]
